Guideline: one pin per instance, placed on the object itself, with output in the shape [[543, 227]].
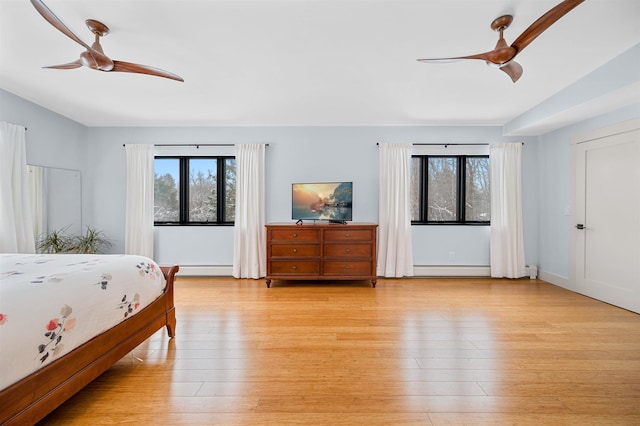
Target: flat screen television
[[332, 201]]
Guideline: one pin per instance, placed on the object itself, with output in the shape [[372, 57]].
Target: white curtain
[[506, 241], [139, 201], [249, 249], [395, 254], [16, 226], [38, 194]]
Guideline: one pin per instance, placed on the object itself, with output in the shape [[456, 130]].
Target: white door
[[607, 228]]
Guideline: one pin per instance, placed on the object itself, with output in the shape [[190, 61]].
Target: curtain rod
[[197, 145], [448, 144]]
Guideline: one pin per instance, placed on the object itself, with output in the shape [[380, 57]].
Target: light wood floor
[[411, 351]]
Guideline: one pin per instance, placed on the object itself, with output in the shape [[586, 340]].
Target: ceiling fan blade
[[495, 56], [102, 61], [543, 23], [483, 56], [121, 66], [56, 22], [513, 70], [440, 60], [69, 66]]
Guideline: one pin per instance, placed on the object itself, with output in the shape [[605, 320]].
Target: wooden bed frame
[[35, 396]]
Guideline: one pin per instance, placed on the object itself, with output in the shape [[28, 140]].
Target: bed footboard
[[170, 274], [35, 396]]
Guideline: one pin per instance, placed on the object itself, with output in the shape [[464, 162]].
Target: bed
[[64, 343]]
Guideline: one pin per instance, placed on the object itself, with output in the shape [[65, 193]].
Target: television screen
[[322, 201]]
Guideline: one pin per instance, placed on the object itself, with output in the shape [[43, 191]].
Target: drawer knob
[[295, 250], [295, 235], [347, 250], [294, 267], [347, 235], [346, 266]]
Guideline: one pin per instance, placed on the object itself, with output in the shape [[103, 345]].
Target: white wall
[[52, 140], [298, 154]]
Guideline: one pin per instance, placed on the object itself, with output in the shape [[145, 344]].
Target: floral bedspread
[[50, 304]]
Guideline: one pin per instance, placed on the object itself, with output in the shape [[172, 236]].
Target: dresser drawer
[[348, 235], [291, 235], [294, 268], [347, 250], [295, 250], [347, 268]]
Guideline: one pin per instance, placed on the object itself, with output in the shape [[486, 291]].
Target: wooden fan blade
[[102, 61], [56, 22], [69, 66], [513, 70], [121, 66], [543, 23], [496, 56], [483, 56], [440, 60]]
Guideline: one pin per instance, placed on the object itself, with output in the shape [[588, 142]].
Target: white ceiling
[[305, 62]]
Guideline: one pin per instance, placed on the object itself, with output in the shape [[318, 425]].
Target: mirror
[[56, 200]]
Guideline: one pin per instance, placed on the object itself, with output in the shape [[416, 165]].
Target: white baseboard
[[205, 271], [558, 280]]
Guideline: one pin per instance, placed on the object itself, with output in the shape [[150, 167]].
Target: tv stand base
[[373, 283]]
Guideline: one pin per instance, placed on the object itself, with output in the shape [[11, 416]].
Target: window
[[450, 189], [194, 190]]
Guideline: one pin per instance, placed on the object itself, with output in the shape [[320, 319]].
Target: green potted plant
[[56, 241], [91, 242]]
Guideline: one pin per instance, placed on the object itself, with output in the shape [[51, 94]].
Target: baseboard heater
[[418, 271], [205, 271], [463, 271]]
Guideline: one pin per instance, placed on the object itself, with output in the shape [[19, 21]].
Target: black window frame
[[460, 190], [183, 190]]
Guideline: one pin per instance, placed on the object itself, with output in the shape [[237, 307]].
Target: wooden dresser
[[321, 251]]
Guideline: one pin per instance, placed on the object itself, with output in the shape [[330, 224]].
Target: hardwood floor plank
[[600, 390], [409, 352], [411, 404], [531, 419], [346, 386], [508, 364], [627, 405], [262, 419]]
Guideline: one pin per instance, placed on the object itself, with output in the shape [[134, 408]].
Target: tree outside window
[[450, 190], [194, 190]]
